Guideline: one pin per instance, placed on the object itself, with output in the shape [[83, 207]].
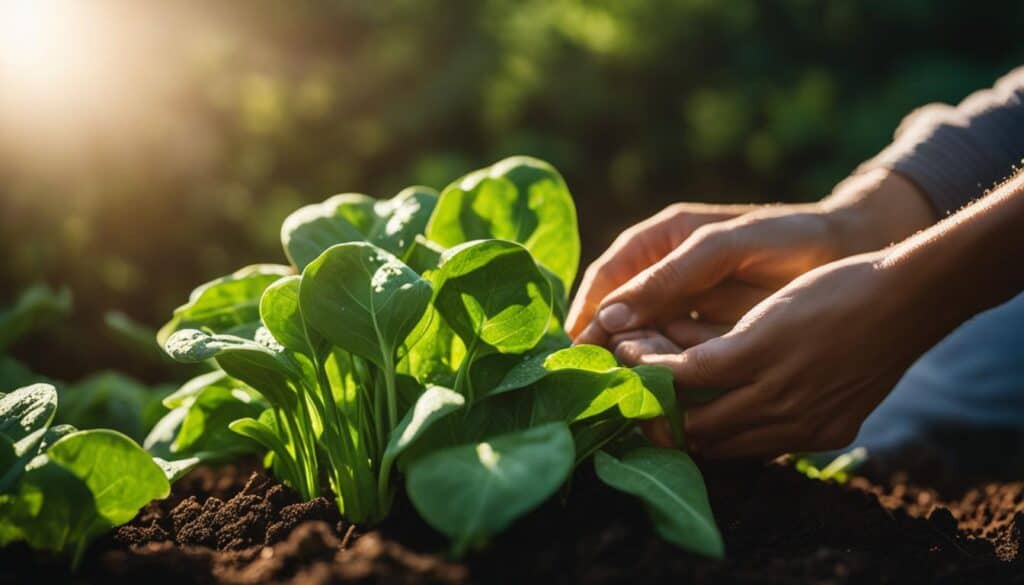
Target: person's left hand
[[804, 367]]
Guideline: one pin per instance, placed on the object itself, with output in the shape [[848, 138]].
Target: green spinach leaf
[[472, 492], [671, 487]]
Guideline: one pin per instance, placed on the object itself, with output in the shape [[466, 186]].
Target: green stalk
[[304, 438], [308, 456], [392, 393], [378, 414], [336, 426], [301, 460], [463, 380], [291, 467]]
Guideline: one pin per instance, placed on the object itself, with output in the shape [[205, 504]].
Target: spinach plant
[[60, 488], [420, 338]]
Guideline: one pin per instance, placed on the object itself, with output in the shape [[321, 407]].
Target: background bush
[[210, 121]]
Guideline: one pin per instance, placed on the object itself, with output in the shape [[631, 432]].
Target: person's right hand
[[694, 287]]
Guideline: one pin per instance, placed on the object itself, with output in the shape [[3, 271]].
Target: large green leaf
[[671, 487], [229, 304], [188, 391], [279, 309], [579, 382], [520, 199], [391, 224], [174, 469], [27, 410], [310, 230], [161, 437], [206, 422], [265, 369], [25, 450], [85, 484], [433, 351], [424, 255], [50, 509], [363, 300], [660, 382], [261, 431], [402, 218], [433, 404], [471, 492], [594, 433], [121, 475], [493, 296]]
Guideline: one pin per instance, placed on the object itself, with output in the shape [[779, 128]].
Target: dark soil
[[235, 525]]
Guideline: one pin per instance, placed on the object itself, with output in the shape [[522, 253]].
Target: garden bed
[[234, 524]]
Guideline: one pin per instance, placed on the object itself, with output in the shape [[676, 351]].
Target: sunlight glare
[[34, 40]]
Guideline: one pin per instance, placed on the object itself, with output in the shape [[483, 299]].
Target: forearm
[[966, 264], [871, 210]]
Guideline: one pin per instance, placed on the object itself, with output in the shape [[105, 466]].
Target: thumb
[[705, 259]]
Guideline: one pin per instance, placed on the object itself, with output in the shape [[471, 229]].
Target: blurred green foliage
[[255, 107]]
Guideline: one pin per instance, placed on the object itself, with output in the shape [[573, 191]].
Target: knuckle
[[778, 407], [628, 235], [701, 367], [665, 273], [594, 269], [673, 209], [713, 235]]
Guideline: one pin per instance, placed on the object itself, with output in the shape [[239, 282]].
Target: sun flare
[[36, 40]]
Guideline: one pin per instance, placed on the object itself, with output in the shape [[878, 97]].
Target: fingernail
[[615, 317]]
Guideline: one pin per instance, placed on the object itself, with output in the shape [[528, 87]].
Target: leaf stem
[[463, 379], [392, 396]]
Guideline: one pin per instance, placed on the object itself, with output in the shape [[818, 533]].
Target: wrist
[[873, 210]]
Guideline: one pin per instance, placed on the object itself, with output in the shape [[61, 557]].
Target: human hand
[[702, 286], [804, 368], [638, 248], [716, 269]]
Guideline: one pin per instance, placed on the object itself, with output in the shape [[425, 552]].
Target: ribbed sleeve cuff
[[956, 154], [940, 152]]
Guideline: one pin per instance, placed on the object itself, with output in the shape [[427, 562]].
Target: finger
[[631, 336], [687, 333], [630, 351], [729, 301], [600, 278], [766, 441], [658, 431], [639, 247], [721, 362], [635, 249], [701, 262], [592, 334]]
